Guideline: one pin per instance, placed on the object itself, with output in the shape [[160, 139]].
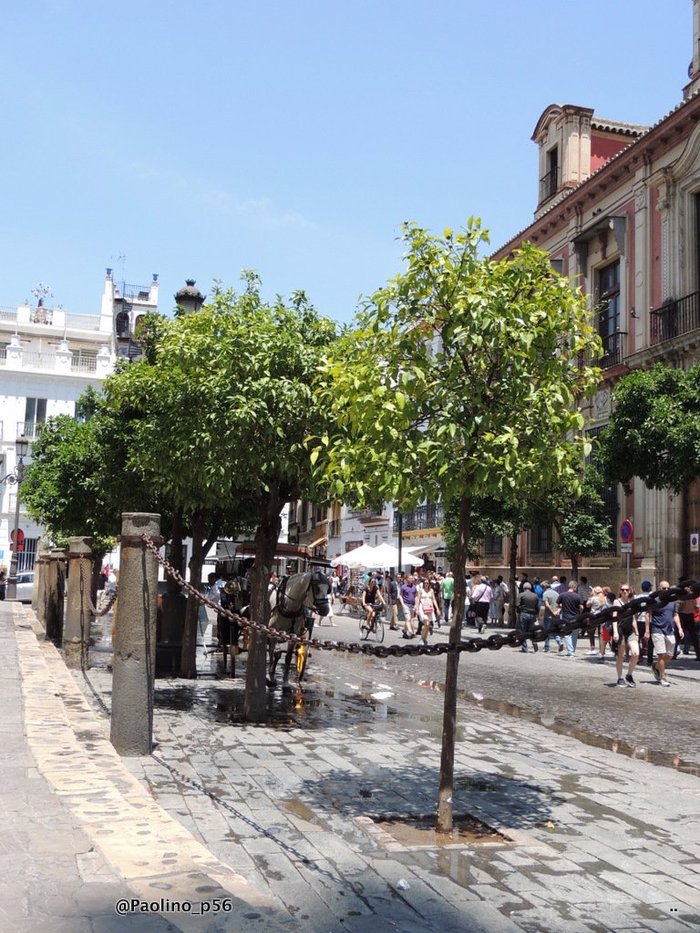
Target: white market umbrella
[[362, 556], [386, 555]]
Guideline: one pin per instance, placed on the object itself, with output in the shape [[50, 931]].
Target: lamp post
[[21, 449]]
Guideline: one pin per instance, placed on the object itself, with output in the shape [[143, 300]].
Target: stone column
[[135, 637], [54, 593], [41, 567], [76, 635]]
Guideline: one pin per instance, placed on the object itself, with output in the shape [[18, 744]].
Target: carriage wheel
[[302, 658]]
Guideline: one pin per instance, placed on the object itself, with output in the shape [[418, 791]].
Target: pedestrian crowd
[[420, 602]]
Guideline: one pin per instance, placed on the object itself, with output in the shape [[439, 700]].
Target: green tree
[[654, 431], [490, 515], [221, 411], [60, 488], [579, 516], [462, 378], [78, 482]]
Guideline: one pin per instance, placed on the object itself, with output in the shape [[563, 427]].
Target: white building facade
[[48, 357]]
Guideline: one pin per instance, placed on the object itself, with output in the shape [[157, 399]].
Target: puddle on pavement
[[420, 831], [549, 721]]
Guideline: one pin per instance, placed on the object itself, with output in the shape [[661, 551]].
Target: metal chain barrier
[[86, 589], [514, 639]]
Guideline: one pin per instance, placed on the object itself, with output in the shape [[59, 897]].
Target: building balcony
[[613, 351], [29, 429], [549, 185], [53, 319], [65, 362], [365, 513], [425, 516], [675, 318]]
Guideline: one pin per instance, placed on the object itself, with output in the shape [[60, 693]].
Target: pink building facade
[[618, 211]]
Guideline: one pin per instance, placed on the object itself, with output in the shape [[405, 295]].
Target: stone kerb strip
[[155, 855]]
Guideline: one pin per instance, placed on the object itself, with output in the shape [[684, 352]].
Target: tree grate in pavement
[[417, 831]]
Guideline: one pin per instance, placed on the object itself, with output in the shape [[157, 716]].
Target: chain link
[[513, 639], [86, 591]]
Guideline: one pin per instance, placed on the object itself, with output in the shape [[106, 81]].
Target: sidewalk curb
[[150, 850]]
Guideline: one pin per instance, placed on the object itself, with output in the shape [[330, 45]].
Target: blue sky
[[198, 139]]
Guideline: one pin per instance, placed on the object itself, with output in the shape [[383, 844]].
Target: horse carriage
[[293, 603]]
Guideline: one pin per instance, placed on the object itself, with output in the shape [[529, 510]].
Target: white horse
[[293, 603]]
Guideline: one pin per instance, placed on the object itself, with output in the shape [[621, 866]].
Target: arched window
[[122, 324]]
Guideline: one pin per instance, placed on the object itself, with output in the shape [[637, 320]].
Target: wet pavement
[[572, 821]]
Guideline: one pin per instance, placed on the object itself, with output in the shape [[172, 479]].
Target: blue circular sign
[[626, 531]]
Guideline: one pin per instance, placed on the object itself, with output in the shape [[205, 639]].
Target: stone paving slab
[[146, 853], [286, 806]]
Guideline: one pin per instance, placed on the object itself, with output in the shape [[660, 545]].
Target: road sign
[[625, 548], [695, 541], [20, 540], [626, 531]]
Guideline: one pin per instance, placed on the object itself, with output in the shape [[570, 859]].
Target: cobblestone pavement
[[52, 876], [319, 809]]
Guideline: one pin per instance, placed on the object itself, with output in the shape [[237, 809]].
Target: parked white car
[[25, 586]]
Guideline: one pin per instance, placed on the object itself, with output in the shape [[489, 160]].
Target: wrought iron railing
[[549, 184], [674, 318], [425, 516], [613, 350], [29, 429]]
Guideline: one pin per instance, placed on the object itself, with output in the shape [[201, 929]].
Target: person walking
[[625, 638], [407, 595], [528, 607], [551, 614], [596, 604], [393, 597], [427, 609], [570, 607], [687, 612], [480, 599], [660, 624], [448, 592]]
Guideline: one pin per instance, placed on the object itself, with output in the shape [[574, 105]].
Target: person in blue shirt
[[661, 623]]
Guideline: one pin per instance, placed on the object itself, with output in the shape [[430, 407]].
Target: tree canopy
[[461, 378], [220, 413], [654, 431]]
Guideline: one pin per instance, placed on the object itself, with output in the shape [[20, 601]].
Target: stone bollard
[[135, 637], [76, 634], [54, 593], [41, 571]]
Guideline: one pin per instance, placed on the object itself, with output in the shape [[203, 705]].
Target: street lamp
[[21, 450]]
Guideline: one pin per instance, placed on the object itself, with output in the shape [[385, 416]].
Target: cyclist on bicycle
[[372, 600]]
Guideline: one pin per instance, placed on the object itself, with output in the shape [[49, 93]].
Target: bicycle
[[376, 627]]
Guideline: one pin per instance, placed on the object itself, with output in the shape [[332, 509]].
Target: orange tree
[[219, 412], [461, 378]]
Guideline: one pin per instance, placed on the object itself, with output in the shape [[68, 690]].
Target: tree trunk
[[449, 716], [97, 559], [266, 538], [172, 587], [574, 566], [188, 659], [513, 566]]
